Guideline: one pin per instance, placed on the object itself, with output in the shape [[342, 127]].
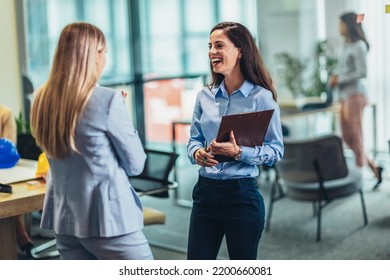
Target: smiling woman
[[240, 84]]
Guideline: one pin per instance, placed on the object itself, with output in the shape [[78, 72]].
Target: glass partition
[[44, 21]]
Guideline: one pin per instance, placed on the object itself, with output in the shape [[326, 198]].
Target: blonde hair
[[59, 103]]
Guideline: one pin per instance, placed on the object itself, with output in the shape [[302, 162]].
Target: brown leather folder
[[249, 129]]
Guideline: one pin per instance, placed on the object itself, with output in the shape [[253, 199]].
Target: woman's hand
[[229, 148], [203, 158]]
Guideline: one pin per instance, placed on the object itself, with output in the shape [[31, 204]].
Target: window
[[174, 38], [46, 19], [175, 33]]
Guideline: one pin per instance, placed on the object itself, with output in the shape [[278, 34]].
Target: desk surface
[[22, 200], [294, 112]]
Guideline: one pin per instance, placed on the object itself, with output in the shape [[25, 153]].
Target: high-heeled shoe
[[380, 171]]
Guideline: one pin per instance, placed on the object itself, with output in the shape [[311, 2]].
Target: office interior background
[[157, 53], [157, 49]]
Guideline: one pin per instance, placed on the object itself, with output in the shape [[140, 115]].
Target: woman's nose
[[212, 50]]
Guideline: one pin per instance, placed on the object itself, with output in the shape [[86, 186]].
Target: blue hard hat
[[9, 155]]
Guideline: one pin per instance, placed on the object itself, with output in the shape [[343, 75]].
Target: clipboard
[[249, 129]]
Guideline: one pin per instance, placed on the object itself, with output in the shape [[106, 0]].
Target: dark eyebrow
[[217, 42]]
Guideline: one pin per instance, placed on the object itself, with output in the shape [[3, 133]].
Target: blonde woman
[[92, 147]]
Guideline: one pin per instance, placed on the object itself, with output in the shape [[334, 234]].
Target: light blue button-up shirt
[[209, 108]]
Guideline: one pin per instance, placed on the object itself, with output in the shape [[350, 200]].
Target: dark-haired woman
[[226, 199], [349, 81]]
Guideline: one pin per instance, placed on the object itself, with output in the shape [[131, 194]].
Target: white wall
[[376, 25], [287, 26], [10, 81]]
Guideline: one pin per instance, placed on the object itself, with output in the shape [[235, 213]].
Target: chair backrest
[[154, 179], [328, 101], [304, 159], [28, 90], [27, 147]]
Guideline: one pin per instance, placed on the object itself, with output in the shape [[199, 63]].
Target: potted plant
[[291, 70]]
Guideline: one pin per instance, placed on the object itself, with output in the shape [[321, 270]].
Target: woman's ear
[[239, 53]]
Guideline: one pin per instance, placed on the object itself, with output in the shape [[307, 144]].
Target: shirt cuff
[[246, 152], [191, 154]]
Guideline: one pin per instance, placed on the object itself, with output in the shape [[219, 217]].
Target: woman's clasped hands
[[205, 157]]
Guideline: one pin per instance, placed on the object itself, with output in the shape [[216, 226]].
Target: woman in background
[[352, 69], [226, 199], [92, 147]]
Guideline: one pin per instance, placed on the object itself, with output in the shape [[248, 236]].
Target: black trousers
[[231, 208]]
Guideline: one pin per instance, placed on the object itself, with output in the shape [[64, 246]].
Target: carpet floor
[[292, 234]]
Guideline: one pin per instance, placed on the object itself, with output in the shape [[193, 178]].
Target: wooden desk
[[294, 112], [21, 201], [25, 200]]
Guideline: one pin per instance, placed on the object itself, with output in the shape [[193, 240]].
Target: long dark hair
[[252, 65], [355, 30]]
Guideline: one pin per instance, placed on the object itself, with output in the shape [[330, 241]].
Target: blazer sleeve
[[124, 137]]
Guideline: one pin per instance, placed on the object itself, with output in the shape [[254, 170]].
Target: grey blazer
[[89, 194]]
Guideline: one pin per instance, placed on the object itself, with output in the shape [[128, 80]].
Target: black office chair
[[319, 105], [28, 90], [154, 179], [315, 170], [27, 147], [26, 144]]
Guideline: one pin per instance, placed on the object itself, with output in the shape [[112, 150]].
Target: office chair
[[28, 90], [315, 170], [319, 105], [26, 144], [154, 179]]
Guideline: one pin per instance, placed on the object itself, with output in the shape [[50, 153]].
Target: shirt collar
[[245, 89]]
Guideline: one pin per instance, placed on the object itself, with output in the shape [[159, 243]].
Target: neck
[[233, 82]]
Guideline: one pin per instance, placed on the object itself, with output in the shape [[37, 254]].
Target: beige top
[[7, 124]]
